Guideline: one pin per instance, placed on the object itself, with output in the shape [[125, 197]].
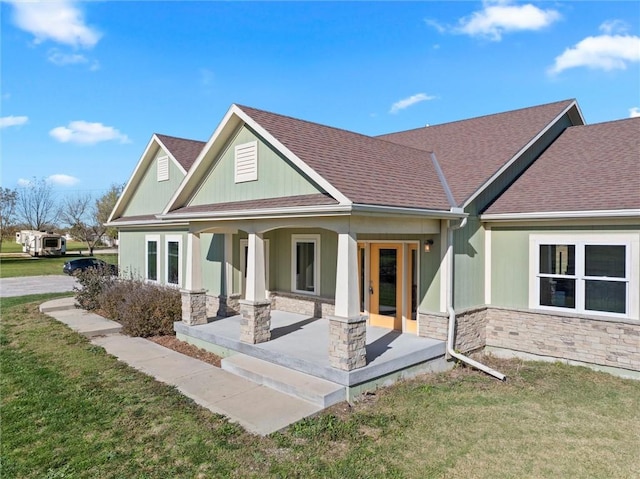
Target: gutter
[[451, 330], [561, 215]]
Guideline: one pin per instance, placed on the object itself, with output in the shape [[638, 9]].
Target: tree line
[[36, 206]]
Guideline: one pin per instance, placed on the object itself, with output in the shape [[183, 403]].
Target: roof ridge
[[482, 116]]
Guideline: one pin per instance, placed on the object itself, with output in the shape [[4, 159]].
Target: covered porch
[[299, 342]]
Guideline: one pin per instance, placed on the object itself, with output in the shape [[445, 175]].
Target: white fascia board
[[394, 210], [310, 172], [560, 215], [262, 213], [129, 188], [173, 158], [508, 164], [184, 190]]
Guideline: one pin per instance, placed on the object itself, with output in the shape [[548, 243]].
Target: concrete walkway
[[257, 408]]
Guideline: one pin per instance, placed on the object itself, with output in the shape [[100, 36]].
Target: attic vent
[[163, 168], [246, 161]]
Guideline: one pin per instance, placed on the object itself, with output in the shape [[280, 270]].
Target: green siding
[[132, 253], [277, 177], [151, 196], [468, 246], [213, 264], [510, 260]]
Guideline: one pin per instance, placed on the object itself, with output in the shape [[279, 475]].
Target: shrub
[[144, 309], [93, 282]]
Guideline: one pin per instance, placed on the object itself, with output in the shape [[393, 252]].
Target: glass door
[[385, 286]]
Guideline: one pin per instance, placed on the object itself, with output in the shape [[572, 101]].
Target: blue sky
[[86, 84]]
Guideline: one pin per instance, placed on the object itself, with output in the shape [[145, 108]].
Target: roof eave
[[560, 215]]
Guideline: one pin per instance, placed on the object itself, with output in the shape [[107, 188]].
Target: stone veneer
[[314, 306], [255, 321], [347, 342], [601, 341], [470, 328], [223, 306], [194, 307]]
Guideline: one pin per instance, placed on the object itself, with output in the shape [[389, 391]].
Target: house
[[516, 232]]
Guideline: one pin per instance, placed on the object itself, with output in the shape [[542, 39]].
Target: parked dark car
[[77, 265]]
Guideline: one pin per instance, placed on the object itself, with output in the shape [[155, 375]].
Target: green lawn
[[70, 410], [10, 246], [12, 267]]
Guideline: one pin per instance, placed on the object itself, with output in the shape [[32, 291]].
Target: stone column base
[[255, 323], [194, 306], [347, 342]]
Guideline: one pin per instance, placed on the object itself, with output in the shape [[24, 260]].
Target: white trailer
[[42, 243]]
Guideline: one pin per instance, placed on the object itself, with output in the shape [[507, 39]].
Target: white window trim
[[579, 240], [252, 162], [147, 239], [308, 238], [244, 243], [173, 239], [162, 168]]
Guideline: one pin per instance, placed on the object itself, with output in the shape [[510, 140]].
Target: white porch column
[[194, 299], [347, 294], [256, 288], [347, 329], [255, 309], [193, 280], [228, 264]]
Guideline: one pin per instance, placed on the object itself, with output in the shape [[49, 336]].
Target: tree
[[36, 205], [86, 218], [105, 205], [8, 198]]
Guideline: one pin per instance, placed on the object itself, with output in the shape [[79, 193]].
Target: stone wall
[[470, 328], [601, 341], [221, 306], [347, 342], [298, 303]]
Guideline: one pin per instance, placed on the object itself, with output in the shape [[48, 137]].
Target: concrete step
[[317, 391]]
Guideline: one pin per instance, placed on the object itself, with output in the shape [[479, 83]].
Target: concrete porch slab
[[301, 343]]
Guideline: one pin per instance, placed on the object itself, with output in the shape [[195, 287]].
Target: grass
[[12, 267], [71, 410], [10, 246]]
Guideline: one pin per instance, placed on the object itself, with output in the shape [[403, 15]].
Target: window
[[305, 264], [584, 274], [163, 168], [174, 259], [246, 162], [152, 257]]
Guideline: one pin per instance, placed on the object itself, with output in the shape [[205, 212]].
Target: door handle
[[370, 289]]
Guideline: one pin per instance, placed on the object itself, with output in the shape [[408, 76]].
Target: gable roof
[[588, 168], [183, 150], [471, 152], [365, 169]]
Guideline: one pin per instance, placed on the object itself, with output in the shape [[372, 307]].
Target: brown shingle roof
[[267, 203], [366, 170], [183, 150], [588, 168], [471, 151]]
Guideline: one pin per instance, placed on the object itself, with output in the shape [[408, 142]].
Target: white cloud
[[614, 26], [604, 52], [62, 180], [7, 121], [86, 133], [24, 183], [56, 20], [407, 102], [499, 17], [58, 58], [634, 112]]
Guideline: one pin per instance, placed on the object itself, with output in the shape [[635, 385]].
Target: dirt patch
[[187, 349]]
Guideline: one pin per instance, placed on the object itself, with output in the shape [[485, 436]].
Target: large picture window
[[583, 274], [174, 259], [152, 257], [305, 264]]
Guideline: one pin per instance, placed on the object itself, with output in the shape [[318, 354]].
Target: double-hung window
[[152, 257], [174, 259], [586, 274], [305, 264]]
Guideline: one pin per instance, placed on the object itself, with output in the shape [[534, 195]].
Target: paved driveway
[[35, 285]]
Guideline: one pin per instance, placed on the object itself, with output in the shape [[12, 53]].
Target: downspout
[[451, 332]]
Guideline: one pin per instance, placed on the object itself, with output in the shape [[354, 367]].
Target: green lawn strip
[[70, 410], [14, 267]]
